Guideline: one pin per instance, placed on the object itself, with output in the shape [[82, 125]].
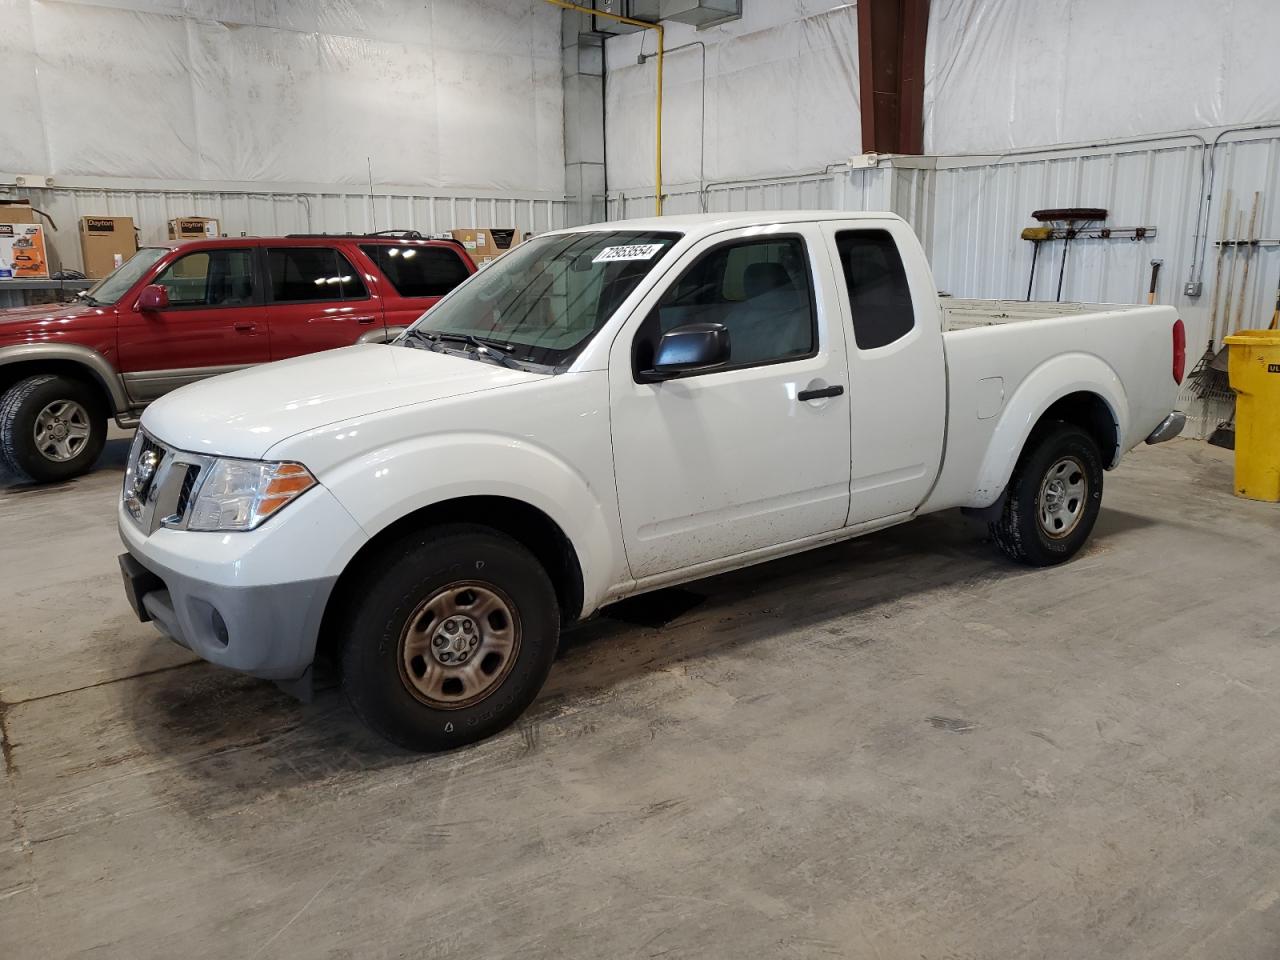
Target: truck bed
[[958, 314]]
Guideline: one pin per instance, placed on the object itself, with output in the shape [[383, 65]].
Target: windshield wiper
[[482, 348]]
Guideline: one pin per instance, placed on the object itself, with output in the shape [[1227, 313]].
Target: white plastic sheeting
[[1002, 74], [461, 93], [781, 96]]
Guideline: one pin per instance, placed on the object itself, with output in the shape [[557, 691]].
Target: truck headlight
[[241, 494]]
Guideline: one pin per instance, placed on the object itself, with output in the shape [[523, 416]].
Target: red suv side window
[[418, 271]]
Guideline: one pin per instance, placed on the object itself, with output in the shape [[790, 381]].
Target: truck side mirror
[[688, 348], [153, 297]]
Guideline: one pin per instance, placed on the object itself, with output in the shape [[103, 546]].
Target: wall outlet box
[[1193, 288]]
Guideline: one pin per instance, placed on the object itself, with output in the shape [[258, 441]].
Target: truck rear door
[[897, 369], [317, 299], [415, 276]]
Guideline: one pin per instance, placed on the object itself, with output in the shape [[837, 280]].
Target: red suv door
[[317, 299], [416, 274], [213, 324]]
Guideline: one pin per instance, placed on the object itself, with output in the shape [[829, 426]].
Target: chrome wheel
[[1061, 503], [62, 430], [459, 645]]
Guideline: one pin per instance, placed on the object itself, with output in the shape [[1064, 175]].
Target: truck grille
[[160, 483]]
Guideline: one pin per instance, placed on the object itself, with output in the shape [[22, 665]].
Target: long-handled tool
[[1248, 258], [1155, 273], [1200, 371], [1211, 379], [1037, 236], [1275, 314]]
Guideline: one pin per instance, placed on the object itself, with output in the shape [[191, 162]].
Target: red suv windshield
[[114, 286]]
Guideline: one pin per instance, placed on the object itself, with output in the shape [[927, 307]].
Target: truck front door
[[213, 324], [719, 463], [897, 371]]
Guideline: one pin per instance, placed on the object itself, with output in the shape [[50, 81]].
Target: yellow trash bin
[[1253, 365]]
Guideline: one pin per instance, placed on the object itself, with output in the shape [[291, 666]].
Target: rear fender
[[1045, 385]]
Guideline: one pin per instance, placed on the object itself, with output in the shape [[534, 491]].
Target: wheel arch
[[67, 360], [521, 521], [1075, 388]]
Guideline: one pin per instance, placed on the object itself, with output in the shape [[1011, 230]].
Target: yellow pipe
[[658, 129]]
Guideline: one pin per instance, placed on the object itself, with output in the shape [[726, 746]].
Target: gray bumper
[[1169, 427], [265, 631]]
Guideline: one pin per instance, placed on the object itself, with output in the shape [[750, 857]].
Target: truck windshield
[[542, 302], [116, 284]]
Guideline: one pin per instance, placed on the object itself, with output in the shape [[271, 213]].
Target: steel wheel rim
[[459, 644], [1063, 494], [61, 430]]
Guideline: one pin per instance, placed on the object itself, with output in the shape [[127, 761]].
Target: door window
[[310, 274], [417, 271], [759, 289], [209, 278], [879, 296]]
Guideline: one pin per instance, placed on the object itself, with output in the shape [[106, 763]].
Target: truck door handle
[[820, 393], [366, 319], [246, 327]]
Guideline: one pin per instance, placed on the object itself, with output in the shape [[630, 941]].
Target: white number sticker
[[631, 251]]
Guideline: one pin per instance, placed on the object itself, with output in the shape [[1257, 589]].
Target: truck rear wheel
[[51, 428], [1053, 497], [452, 636]]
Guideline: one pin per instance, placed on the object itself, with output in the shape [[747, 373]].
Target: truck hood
[[46, 317], [246, 413]]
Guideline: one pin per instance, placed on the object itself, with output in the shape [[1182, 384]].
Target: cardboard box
[[106, 242], [485, 243], [192, 228], [16, 211], [22, 252]]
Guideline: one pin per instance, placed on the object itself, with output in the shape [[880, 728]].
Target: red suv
[[179, 313]]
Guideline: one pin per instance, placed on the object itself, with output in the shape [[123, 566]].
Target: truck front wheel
[[450, 638], [1053, 497], [51, 428]]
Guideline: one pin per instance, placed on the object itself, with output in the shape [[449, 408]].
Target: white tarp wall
[[461, 93], [1002, 74], [781, 98], [268, 114]]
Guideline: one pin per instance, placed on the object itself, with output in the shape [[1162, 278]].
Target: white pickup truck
[[604, 411]]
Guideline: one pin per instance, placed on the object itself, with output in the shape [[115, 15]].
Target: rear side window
[[209, 278], [301, 274], [879, 297], [417, 271]]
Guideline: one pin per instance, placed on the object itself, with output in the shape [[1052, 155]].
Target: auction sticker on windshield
[[630, 251]]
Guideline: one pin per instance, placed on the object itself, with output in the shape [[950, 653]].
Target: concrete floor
[[900, 747]]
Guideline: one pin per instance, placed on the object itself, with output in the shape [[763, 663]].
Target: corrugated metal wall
[[274, 214], [969, 213]]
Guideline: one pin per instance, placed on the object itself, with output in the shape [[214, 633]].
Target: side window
[[301, 274], [417, 271], [879, 297], [210, 278], [759, 289]]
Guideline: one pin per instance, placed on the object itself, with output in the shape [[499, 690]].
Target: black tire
[[1020, 532], [23, 402], [375, 670]]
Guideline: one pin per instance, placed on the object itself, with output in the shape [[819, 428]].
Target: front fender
[[382, 486], [94, 363], [1048, 383]]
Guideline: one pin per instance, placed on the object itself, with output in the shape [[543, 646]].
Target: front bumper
[[1169, 427], [251, 601]]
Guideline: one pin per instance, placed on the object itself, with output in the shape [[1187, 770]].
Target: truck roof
[[706, 223]]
